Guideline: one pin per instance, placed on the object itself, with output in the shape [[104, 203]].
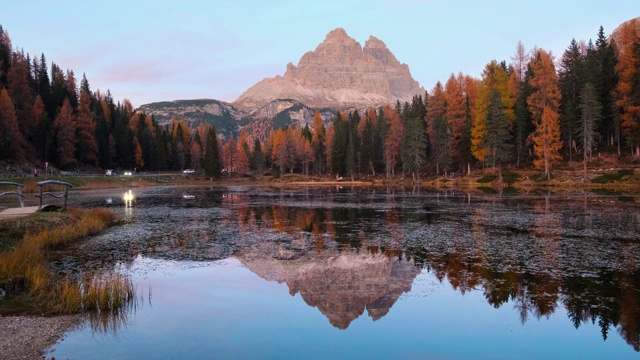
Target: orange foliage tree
[[12, 143], [65, 129], [393, 142], [627, 91], [543, 104]]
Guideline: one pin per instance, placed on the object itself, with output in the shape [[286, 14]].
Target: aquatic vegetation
[[43, 290]]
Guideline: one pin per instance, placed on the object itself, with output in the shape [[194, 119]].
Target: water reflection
[[347, 251]]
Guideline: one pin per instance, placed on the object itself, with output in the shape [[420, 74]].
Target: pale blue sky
[[149, 51]]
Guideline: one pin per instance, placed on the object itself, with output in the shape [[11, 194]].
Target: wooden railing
[[19, 192], [66, 185]]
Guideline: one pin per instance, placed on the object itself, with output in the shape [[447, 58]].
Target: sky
[[150, 51]]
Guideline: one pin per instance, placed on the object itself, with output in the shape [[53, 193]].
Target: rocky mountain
[[342, 285], [339, 74]]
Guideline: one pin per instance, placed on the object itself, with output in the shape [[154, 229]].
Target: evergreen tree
[[259, 157], [441, 141], [367, 142], [498, 133], [607, 80], [590, 110], [86, 146], [318, 143], [414, 142], [339, 145], [380, 136], [353, 150], [212, 162], [570, 82]]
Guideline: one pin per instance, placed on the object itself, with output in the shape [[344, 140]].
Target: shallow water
[[362, 272]]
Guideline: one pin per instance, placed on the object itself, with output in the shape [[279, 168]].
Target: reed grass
[[46, 292]]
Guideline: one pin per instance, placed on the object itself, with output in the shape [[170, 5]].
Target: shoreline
[[30, 336]]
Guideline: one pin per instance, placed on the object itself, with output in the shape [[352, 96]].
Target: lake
[[358, 272]]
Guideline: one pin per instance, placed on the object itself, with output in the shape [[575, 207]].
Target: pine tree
[[212, 163], [570, 82], [340, 143], [590, 113], [608, 126], [353, 148], [259, 158], [498, 138], [367, 142], [318, 143], [415, 140], [87, 146]]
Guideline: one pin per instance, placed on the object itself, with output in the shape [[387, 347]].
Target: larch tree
[[627, 91], [86, 146], [244, 153], [19, 87], [590, 113], [543, 103], [137, 153], [65, 135], [12, 143], [393, 141]]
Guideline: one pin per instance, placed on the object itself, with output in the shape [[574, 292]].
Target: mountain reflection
[[538, 257], [340, 285]]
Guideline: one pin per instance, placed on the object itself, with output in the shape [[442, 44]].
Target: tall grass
[[48, 293]]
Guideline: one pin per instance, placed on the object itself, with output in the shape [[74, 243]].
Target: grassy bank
[[31, 287]]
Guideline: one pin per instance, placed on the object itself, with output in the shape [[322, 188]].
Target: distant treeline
[[535, 110]]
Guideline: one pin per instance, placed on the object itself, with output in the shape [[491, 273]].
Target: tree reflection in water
[[346, 258], [347, 251]]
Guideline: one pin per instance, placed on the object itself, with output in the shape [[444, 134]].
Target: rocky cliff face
[[338, 74], [342, 285]]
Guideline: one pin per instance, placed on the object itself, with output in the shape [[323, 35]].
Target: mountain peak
[[337, 33], [374, 43], [338, 74]]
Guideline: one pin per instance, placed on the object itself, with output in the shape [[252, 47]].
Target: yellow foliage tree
[[494, 78]]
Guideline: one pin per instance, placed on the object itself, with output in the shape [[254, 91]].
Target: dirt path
[[17, 212]]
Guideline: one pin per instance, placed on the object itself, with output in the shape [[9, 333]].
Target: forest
[[536, 111]]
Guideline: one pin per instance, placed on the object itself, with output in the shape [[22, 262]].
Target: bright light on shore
[[128, 198]]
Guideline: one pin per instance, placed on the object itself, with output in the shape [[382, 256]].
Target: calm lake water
[[246, 272]]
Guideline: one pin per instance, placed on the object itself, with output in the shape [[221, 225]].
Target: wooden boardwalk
[[18, 212]]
